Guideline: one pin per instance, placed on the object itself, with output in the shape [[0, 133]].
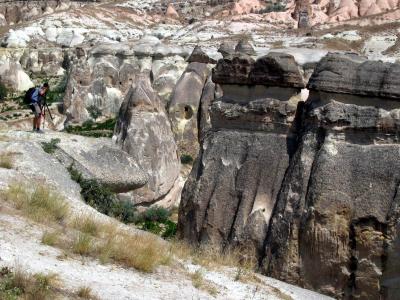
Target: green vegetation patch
[[50, 147], [92, 129], [186, 159], [155, 219]]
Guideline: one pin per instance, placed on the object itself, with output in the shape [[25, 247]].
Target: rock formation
[[229, 196], [336, 224], [104, 77], [13, 12], [100, 159], [143, 130], [314, 191], [185, 102]]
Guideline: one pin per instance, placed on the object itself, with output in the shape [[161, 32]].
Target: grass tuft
[[199, 282], [85, 292], [86, 224], [41, 204], [143, 252], [50, 238], [209, 256], [50, 147], [83, 244], [7, 160], [19, 284]]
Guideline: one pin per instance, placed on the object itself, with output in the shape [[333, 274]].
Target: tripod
[[43, 108]]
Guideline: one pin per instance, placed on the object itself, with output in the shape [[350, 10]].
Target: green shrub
[[170, 230], [97, 195], [101, 198], [156, 214], [88, 124], [3, 91], [186, 159], [124, 211], [50, 147], [155, 219], [94, 111]]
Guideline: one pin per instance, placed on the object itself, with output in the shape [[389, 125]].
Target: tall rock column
[[185, 102], [335, 228], [230, 194], [144, 131]]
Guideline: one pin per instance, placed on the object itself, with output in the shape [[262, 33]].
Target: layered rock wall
[[230, 194], [315, 189]]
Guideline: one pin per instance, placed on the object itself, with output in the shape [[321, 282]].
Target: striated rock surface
[[314, 191], [143, 130], [352, 74], [230, 194], [334, 221]]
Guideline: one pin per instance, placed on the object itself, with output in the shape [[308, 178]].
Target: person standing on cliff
[[37, 97]]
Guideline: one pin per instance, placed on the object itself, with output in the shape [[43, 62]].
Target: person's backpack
[[28, 96]]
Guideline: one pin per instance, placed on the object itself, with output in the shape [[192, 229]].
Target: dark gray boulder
[[352, 74], [274, 69], [335, 226]]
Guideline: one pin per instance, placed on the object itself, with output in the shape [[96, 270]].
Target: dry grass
[[83, 244], [7, 160], [40, 204], [50, 238], [208, 256], [84, 235], [19, 284], [85, 292], [199, 282], [86, 223], [143, 252]]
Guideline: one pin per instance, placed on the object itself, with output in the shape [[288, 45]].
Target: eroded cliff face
[[314, 189], [230, 194], [334, 228]]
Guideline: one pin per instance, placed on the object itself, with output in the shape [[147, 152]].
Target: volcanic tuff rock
[[352, 74], [104, 77], [339, 203], [198, 55], [143, 130], [315, 190], [251, 138], [274, 69], [100, 159], [184, 107], [13, 12]]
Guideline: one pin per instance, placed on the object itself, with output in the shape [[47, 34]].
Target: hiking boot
[[39, 131]]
